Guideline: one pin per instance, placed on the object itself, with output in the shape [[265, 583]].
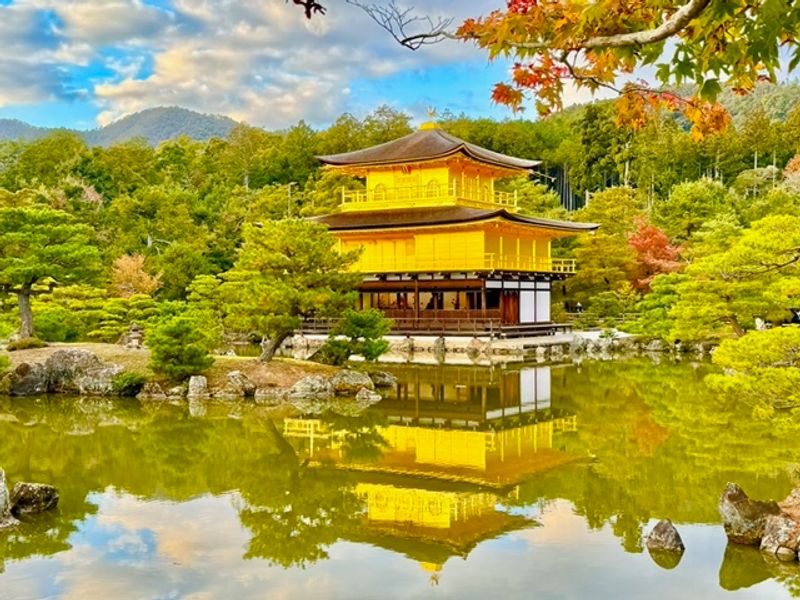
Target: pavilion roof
[[425, 145], [446, 215]]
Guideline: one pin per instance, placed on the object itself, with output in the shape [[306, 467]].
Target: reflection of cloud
[[197, 549]]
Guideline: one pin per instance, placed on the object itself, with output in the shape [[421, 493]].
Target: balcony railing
[[489, 262], [433, 194]]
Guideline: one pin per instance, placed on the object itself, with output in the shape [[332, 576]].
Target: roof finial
[[431, 122]]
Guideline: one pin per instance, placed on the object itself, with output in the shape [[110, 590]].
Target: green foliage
[[287, 271], [26, 344], [358, 332], [5, 363], [655, 309], [128, 384], [762, 370], [688, 206], [180, 345], [58, 324]]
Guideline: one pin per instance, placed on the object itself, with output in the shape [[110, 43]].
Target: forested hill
[[155, 125]]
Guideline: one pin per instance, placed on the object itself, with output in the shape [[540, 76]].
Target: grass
[[281, 372]]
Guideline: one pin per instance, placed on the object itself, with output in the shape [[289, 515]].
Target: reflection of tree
[[360, 436], [665, 447], [296, 511]]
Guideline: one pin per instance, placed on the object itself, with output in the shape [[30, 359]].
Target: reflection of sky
[[193, 550]]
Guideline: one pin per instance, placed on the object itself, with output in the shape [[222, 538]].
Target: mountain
[[154, 124], [11, 129]]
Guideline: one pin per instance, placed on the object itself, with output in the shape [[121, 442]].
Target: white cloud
[[257, 60]]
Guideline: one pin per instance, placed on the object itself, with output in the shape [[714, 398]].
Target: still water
[[462, 483]]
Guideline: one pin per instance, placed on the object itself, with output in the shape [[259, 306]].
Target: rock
[[6, 519], [368, 396], [32, 498], [28, 379], [198, 388], [176, 393], [240, 384], [271, 396], [348, 382], [383, 379], [151, 391], [76, 371], [665, 537], [781, 536], [744, 519], [313, 387], [655, 346]]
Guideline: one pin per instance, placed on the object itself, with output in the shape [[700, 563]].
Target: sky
[[85, 63]]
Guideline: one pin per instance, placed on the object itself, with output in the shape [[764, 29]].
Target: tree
[[358, 332], [757, 276], [128, 276], [287, 271], [761, 369], [591, 45], [688, 206], [655, 254], [39, 245], [180, 345]]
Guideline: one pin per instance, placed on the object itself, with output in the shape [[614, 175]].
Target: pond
[[462, 483]]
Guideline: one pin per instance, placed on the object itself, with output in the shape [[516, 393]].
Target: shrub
[[128, 384], [180, 346], [26, 344], [4, 364], [57, 324], [359, 332]]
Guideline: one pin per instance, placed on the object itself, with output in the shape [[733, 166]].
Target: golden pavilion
[[442, 249]]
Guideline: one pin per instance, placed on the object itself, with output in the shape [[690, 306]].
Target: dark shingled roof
[[426, 144], [419, 217]]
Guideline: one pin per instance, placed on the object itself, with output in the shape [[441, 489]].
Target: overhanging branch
[[408, 30]]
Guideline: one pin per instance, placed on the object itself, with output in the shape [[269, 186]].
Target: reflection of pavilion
[[490, 429], [458, 440]]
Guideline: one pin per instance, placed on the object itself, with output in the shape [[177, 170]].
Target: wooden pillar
[[483, 299], [416, 302]]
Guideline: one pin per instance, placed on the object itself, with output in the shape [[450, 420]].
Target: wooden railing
[[488, 262], [434, 194]]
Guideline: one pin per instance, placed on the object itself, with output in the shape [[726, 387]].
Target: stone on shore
[[152, 391], [313, 387], [368, 396], [79, 371], [28, 379], [270, 396], [744, 519], [239, 384], [348, 382], [383, 379], [198, 388], [665, 537], [32, 498]]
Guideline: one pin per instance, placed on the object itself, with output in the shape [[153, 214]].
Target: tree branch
[[398, 21], [675, 23]]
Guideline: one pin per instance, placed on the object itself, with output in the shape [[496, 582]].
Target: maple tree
[[654, 253], [593, 45]]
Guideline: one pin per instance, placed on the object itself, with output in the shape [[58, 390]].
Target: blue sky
[[84, 63]]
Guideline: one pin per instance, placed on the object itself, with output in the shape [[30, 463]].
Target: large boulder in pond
[[32, 498], [348, 382], [744, 519], [781, 537], [313, 387], [28, 379], [665, 537], [76, 371]]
